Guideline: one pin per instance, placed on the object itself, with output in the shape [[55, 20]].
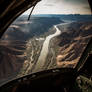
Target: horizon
[[58, 14]]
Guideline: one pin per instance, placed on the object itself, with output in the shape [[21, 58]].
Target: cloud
[[49, 4], [62, 7], [76, 1], [67, 1], [86, 7]]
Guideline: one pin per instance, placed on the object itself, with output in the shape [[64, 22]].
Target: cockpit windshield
[[55, 36]]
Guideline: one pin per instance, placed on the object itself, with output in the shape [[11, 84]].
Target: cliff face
[[11, 58], [72, 42]]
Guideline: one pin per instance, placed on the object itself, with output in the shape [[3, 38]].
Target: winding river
[[45, 49]]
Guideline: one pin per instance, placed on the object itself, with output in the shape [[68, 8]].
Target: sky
[[61, 7]]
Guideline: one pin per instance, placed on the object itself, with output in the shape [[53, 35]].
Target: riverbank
[[40, 65]]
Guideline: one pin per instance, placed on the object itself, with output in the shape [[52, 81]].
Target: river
[[45, 49]]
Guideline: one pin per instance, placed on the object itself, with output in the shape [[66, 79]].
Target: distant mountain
[[22, 29], [72, 17]]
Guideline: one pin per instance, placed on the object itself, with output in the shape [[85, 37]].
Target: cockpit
[[46, 45]]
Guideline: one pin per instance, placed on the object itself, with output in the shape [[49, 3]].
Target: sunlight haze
[[61, 7]]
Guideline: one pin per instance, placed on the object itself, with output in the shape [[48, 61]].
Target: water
[[45, 49]]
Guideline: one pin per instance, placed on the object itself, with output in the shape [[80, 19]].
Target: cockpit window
[[54, 37]]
